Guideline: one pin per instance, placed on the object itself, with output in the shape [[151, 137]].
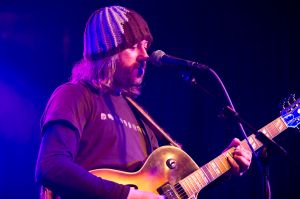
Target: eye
[[143, 44]]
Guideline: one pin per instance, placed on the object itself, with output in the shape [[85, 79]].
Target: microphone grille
[[156, 56]]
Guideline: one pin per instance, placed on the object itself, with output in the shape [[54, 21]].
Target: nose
[[143, 55]]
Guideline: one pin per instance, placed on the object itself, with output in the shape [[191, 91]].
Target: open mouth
[[140, 72], [141, 69]]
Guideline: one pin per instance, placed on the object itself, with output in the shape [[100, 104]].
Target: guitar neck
[[206, 174]]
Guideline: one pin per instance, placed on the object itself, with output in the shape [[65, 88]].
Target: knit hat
[[112, 29]]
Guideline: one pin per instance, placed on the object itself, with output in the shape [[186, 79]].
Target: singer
[[89, 122]]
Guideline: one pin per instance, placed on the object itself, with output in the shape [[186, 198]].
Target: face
[[131, 68]]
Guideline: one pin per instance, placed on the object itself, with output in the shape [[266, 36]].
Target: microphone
[[160, 58]]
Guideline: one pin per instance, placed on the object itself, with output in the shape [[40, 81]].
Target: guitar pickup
[[169, 191]]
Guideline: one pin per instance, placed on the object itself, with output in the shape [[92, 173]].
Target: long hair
[[100, 75]]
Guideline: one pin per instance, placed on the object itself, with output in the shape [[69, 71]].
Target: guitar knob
[[171, 163], [291, 98], [282, 104]]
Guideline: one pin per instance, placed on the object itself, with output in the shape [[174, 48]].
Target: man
[[88, 124]]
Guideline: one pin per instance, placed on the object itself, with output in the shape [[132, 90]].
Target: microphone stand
[[193, 81], [270, 146]]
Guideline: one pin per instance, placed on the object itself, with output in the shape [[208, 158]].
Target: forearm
[[57, 170]]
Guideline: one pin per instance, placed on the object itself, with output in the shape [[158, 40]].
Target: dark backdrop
[[252, 45]]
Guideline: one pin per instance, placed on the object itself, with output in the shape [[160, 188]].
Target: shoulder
[[72, 88], [69, 102], [70, 96], [71, 91]]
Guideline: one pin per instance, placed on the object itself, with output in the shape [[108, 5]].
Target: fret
[[256, 144], [211, 170], [207, 173], [252, 142], [189, 186], [222, 165], [201, 180], [277, 129], [265, 131], [216, 167], [185, 187], [204, 176], [280, 125], [259, 143], [244, 144], [229, 152], [191, 183], [225, 155], [195, 179], [272, 129]]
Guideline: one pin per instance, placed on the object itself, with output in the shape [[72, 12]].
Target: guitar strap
[[144, 131], [159, 132]]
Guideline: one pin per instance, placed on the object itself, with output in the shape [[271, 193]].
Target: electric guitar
[[173, 173]]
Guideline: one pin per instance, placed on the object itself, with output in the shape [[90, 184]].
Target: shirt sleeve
[[57, 171], [69, 102]]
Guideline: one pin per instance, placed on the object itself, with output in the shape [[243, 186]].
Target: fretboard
[[200, 178]]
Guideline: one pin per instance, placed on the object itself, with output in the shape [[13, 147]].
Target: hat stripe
[[111, 25], [87, 39], [112, 29], [122, 11], [103, 40], [97, 24]]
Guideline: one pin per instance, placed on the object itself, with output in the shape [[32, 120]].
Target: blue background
[[252, 45]]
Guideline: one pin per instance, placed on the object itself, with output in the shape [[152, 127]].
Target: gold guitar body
[[166, 164], [165, 167]]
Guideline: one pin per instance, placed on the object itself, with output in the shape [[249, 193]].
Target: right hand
[[138, 194]]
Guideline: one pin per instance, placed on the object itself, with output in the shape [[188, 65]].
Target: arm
[[57, 170]]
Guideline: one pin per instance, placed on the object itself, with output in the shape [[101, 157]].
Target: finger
[[235, 168], [244, 161], [234, 143], [239, 151]]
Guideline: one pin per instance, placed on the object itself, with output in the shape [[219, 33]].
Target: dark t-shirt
[[109, 134]]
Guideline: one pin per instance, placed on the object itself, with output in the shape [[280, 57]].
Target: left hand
[[241, 160]]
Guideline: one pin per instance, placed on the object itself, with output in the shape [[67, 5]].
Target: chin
[[137, 81]]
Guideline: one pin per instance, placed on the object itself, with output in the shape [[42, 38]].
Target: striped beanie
[[112, 29]]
